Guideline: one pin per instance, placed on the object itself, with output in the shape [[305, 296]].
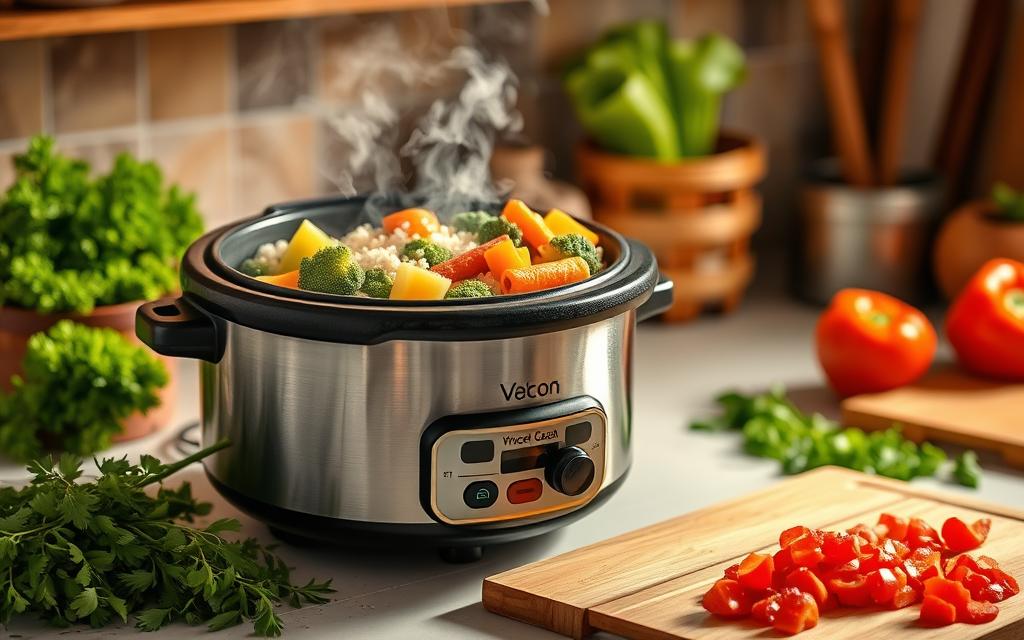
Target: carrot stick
[[467, 265], [288, 279], [534, 228], [544, 276], [505, 255]]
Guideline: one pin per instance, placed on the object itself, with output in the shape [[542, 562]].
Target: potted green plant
[[977, 232], [89, 249], [656, 165]]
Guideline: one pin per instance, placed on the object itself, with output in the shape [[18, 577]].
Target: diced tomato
[[764, 610], [839, 547], [790, 535], [797, 612], [979, 612], [905, 596], [803, 579], [936, 612], [865, 532], [806, 552], [882, 585], [727, 599], [732, 570], [896, 527], [755, 572], [854, 592], [959, 536]]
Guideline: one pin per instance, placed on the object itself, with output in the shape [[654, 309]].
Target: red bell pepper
[[869, 341], [727, 599], [985, 323], [797, 611], [936, 612], [803, 579], [959, 536], [755, 572]]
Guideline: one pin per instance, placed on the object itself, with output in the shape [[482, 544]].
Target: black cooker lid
[[211, 282]]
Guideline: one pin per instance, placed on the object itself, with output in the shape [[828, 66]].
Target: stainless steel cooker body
[[457, 423], [335, 430]]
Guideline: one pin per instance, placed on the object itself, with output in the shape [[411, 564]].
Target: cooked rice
[[373, 248]]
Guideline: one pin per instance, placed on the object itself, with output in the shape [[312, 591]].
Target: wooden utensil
[[647, 584], [948, 405], [904, 28], [841, 89], [962, 122], [871, 55]]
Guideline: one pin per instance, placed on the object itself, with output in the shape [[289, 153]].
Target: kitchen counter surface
[[678, 371]]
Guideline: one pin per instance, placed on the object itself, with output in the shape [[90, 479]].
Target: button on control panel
[[492, 473]]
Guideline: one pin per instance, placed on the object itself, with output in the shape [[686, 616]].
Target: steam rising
[[450, 146]]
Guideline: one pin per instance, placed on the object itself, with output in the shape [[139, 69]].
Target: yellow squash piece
[[505, 255], [307, 240], [562, 223], [414, 283]]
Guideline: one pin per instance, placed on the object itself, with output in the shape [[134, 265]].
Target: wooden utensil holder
[[697, 216]]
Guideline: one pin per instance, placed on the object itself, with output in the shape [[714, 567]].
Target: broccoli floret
[[499, 226], [573, 244], [377, 283], [253, 268], [331, 270], [420, 248], [471, 220], [469, 289]]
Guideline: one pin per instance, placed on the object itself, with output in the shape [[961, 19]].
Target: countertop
[[679, 369]]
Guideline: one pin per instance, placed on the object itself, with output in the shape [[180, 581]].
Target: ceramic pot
[[18, 325], [696, 214], [969, 238]]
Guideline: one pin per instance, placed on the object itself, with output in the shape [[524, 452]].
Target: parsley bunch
[[79, 384], [74, 551], [69, 242], [775, 428]]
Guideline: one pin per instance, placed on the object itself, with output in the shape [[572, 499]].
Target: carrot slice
[[288, 279], [420, 221], [534, 229], [544, 276], [467, 265]]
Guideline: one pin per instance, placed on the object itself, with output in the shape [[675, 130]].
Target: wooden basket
[[696, 215]]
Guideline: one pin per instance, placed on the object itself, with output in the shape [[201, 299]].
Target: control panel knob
[[570, 471]]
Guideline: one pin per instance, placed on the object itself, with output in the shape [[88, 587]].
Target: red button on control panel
[[524, 491]]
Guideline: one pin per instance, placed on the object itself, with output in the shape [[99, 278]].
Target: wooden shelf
[[18, 23]]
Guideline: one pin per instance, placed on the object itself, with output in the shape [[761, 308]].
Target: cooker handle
[[176, 327], [660, 300]]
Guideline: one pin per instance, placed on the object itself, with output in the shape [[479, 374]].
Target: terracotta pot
[[697, 215], [971, 236], [18, 325]]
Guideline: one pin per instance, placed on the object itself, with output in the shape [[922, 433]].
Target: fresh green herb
[[69, 242], [1009, 202], [74, 551], [967, 471], [774, 428], [79, 384]]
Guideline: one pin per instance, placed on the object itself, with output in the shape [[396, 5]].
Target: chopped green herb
[[774, 428]]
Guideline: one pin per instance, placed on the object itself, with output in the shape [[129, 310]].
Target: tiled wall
[[239, 113]]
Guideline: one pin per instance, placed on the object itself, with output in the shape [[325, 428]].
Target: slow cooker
[[455, 424]]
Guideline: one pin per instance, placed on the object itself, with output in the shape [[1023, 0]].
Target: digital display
[[517, 460]]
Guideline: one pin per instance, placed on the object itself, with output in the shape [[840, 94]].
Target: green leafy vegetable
[[92, 552], [79, 384], [637, 92], [1009, 203], [69, 242], [774, 428], [966, 471]]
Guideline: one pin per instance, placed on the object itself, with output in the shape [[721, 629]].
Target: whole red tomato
[[986, 322], [869, 341]]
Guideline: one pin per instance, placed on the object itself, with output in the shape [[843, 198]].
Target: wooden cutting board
[[948, 405], [647, 584]]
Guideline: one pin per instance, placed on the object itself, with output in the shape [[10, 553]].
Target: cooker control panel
[[516, 464]]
